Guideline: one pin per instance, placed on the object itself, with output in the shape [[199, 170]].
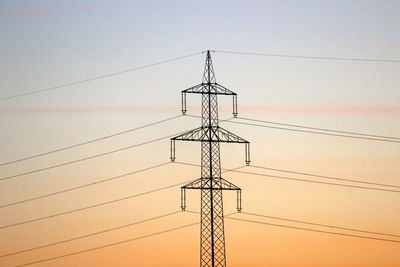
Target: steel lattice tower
[[211, 183]]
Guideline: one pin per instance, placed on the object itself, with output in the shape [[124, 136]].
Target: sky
[[50, 43]]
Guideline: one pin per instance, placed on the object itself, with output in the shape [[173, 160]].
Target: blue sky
[[47, 43]]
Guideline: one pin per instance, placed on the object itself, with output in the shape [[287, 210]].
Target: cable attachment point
[[183, 99], [183, 199], [172, 150], [235, 112], [239, 200], [247, 153]]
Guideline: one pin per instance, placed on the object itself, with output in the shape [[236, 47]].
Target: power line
[[90, 141], [154, 140], [303, 180], [84, 185], [362, 136], [109, 245], [105, 203], [318, 182], [308, 229], [192, 224], [91, 234], [308, 57], [96, 77], [92, 206], [90, 184], [115, 243], [320, 129], [86, 158], [317, 175], [318, 224], [324, 176], [315, 230], [322, 133], [182, 57]]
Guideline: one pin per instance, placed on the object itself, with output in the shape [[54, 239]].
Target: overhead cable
[[114, 244], [192, 224], [319, 224], [314, 132], [315, 230], [325, 177], [84, 185], [319, 129], [104, 203], [96, 77], [109, 245], [354, 134], [91, 206], [90, 141], [86, 158], [302, 180], [228, 216], [91, 234], [319, 182], [308, 57]]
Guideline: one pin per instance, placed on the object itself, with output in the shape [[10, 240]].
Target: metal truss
[[209, 86], [215, 89], [211, 134], [211, 183]]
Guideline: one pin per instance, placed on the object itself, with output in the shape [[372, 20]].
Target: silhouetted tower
[[211, 183]]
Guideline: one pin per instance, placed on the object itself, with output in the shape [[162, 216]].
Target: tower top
[[209, 84], [208, 75]]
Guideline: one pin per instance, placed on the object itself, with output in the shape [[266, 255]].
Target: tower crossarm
[[213, 134], [218, 184], [209, 88]]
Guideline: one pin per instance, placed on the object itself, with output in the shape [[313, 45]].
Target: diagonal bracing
[[211, 183]]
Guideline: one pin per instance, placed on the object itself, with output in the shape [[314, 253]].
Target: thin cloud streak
[[303, 110], [95, 110]]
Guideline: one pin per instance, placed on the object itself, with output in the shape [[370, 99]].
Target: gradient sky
[[49, 43]]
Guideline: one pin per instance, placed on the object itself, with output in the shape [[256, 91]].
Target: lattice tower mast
[[211, 183]]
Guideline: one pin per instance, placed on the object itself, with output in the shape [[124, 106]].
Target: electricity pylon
[[211, 183]]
